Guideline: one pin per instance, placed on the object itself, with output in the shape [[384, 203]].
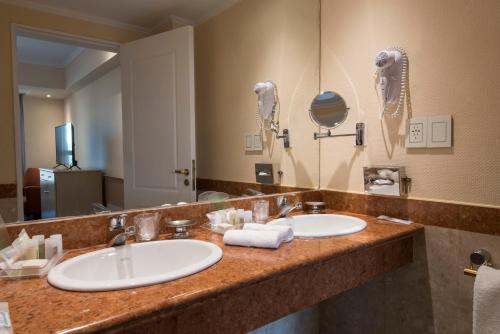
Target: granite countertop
[[37, 307]]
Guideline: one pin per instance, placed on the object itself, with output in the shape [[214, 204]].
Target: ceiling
[[48, 53], [145, 14]]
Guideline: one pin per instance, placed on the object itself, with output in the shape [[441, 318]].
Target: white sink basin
[[322, 225], [134, 265]]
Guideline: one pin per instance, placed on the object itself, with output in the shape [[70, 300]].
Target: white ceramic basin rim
[[134, 265], [322, 225]]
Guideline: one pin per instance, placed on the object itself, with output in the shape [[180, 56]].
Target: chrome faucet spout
[[121, 238], [117, 224], [285, 208]]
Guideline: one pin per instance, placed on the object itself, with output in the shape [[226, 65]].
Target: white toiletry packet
[[5, 323]]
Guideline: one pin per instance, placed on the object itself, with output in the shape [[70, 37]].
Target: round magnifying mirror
[[328, 110]]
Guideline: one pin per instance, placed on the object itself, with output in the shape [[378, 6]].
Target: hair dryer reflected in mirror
[[268, 107]]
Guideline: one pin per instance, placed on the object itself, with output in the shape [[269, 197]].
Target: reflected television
[[65, 145]]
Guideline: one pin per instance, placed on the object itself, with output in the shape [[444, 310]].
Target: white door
[[158, 119]]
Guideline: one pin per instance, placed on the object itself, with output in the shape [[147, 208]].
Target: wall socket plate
[[431, 132], [416, 132]]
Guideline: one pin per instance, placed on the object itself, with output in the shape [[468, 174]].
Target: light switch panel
[[416, 132], [439, 131], [257, 142], [253, 142], [248, 142]]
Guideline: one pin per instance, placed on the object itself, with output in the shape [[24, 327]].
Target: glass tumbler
[[260, 209], [147, 226]]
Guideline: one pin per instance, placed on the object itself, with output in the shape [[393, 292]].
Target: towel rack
[[479, 257]]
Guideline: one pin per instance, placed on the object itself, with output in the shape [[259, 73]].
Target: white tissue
[[286, 232], [249, 238]]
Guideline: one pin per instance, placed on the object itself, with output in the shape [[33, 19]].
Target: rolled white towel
[[486, 309], [249, 238], [286, 232]]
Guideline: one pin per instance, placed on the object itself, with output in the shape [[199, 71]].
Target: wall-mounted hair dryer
[[267, 100], [268, 106], [391, 80]]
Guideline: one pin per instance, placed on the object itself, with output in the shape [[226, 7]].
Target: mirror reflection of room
[[70, 120], [129, 133]]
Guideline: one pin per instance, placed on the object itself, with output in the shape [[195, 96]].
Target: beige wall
[[41, 116], [454, 53], [257, 40], [96, 113], [11, 14]]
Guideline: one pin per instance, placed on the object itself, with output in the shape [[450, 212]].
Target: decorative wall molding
[[76, 15]]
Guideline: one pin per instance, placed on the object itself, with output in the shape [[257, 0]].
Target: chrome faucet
[[285, 208], [117, 224]]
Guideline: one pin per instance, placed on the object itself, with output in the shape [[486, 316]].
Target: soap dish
[[32, 272]]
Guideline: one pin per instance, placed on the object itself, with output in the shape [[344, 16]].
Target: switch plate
[[253, 142], [257, 142], [416, 132], [248, 142], [439, 131]]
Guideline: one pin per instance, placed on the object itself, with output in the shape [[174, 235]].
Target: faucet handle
[[281, 201], [117, 222]]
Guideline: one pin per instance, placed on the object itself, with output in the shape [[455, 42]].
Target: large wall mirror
[[107, 127]]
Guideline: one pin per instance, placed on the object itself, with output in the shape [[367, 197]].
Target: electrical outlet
[[416, 132]]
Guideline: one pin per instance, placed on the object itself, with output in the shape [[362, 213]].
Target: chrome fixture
[[117, 225], [315, 207], [386, 180], [479, 257], [285, 136], [180, 228], [360, 134], [285, 208], [264, 173], [329, 110]]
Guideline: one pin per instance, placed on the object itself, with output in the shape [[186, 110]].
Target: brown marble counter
[[248, 288]]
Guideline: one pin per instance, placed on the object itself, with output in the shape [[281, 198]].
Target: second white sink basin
[[134, 265], [321, 225]]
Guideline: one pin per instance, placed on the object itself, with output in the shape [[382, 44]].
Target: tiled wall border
[[471, 218], [8, 190], [92, 230], [239, 188]]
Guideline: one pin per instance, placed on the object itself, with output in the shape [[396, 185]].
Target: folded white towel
[[249, 238], [286, 232], [486, 310]]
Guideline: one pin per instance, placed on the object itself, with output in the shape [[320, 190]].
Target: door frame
[[52, 35]]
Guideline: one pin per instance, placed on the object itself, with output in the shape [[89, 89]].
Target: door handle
[[184, 171]]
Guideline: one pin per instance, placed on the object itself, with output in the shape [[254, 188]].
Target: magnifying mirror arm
[[360, 134]]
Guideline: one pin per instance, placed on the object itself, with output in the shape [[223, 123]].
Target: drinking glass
[[260, 210], [147, 226]]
